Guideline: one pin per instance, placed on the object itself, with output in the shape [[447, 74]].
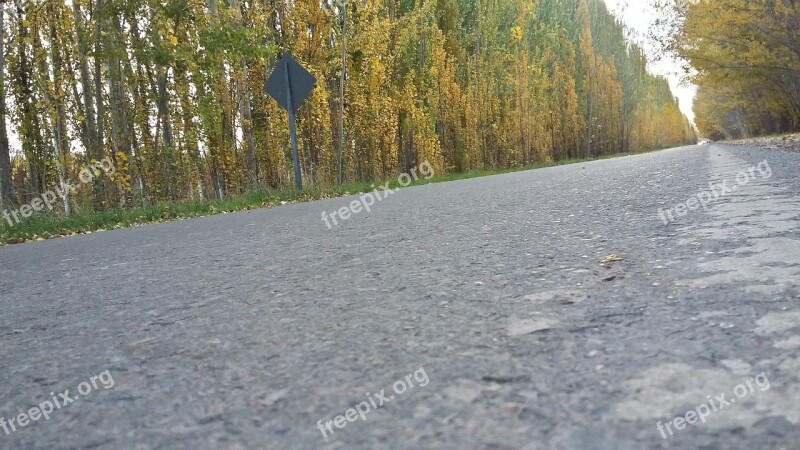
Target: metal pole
[[298, 178]]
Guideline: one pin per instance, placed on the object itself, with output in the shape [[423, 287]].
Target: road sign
[[290, 84], [302, 82]]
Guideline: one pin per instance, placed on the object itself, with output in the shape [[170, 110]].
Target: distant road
[[257, 329]]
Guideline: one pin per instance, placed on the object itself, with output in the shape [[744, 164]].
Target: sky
[[639, 15]]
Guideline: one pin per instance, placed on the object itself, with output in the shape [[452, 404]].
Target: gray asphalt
[[255, 329]]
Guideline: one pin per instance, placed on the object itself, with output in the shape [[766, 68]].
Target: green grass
[[47, 226]]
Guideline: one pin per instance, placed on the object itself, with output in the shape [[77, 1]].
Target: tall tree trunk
[[120, 132], [218, 142], [343, 77], [98, 186], [30, 135], [589, 112], [165, 121], [141, 110], [89, 123], [190, 131], [59, 115], [98, 81], [246, 108], [6, 192], [247, 126]]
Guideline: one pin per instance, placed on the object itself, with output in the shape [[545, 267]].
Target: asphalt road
[[483, 301]]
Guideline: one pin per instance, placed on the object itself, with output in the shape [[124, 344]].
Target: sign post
[[298, 177], [290, 84]]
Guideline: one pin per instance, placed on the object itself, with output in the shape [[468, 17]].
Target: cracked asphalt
[[249, 330]]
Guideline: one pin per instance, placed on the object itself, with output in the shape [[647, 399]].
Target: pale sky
[[638, 15]]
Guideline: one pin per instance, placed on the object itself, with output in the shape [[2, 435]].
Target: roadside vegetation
[[55, 224], [743, 56]]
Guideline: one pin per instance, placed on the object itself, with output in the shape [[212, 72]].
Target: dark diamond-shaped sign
[[300, 81]]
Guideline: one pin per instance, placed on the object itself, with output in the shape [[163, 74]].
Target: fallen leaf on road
[[612, 258]]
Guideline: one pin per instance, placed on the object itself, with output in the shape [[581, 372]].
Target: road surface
[[478, 312]]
